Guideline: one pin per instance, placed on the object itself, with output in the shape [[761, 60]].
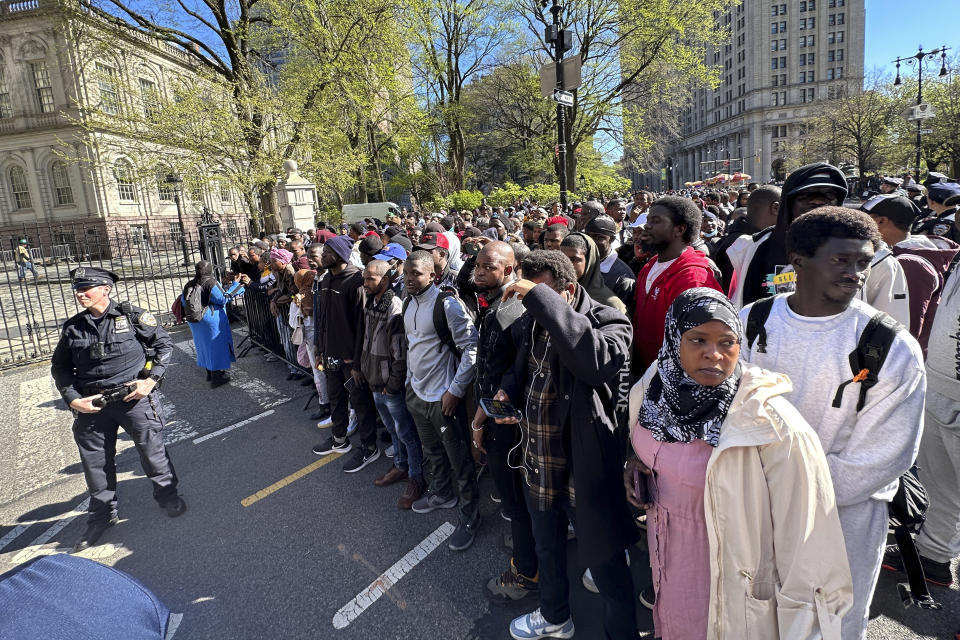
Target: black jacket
[[338, 313], [590, 342]]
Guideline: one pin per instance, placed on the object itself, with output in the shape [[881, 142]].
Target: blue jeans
[[23, 267], [403, 432]]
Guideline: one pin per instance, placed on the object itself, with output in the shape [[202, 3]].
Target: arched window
[[18, 185], [123, 172], [61, 183]]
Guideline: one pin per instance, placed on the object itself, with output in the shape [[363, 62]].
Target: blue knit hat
[[342, 246]]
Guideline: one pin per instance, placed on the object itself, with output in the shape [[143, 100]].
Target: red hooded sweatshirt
[[691, 269]]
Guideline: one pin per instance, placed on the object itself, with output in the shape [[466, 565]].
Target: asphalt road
[[277, 543]]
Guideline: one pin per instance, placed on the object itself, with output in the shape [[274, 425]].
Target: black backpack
[[909, 505], [440, 325], [193, 307]]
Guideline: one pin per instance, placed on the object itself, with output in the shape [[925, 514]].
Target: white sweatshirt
[[869, 450]]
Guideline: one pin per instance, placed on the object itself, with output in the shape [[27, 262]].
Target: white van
[[379, 210]]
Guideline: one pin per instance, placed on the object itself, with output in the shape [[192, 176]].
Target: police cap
[[84, 277], [942, 191]]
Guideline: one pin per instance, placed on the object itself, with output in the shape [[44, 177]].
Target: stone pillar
[[295, 199]]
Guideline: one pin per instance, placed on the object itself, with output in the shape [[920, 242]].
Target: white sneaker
[[532, 626], [588, 582]]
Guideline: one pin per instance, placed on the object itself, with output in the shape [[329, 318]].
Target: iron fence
[[36, 296]]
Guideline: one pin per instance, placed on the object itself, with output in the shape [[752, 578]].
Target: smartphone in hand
[[640, 491]]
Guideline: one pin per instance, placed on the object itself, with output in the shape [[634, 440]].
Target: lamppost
[[919, 59], [561, 40], [174, 181]]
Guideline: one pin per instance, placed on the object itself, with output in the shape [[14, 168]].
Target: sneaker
[[510, 587], [648, 597], [937, 573], [325, 419], [413, 491], [390, 451], [642, 521], [430, 502], [588, 582], [330, 445], [532, 625], [352, 425], [504, 516], [463, 537], [392, 476], [361, 459], [495, 497]]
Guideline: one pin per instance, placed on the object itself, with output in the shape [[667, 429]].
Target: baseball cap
[[602, 224], [392, 251], [433, 240], [371, 245]]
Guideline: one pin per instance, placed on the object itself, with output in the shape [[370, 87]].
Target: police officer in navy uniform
[[110, 345], [942, 198]]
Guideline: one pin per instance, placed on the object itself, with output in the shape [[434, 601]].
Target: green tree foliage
[[635, 47]]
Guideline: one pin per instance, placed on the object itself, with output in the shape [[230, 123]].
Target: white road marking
[[242, 423], [12, 535], [173, 623], [175, 428], [352, 610], [262, 392], [35, 548]]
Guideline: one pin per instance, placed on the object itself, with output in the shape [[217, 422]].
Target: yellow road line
[[280, 484]]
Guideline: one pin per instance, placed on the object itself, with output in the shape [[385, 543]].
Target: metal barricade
[[270, 333]]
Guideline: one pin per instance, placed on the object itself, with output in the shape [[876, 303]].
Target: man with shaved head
[[494, 270], [384, 367]]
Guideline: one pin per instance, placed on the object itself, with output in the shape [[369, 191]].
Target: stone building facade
[[57, 176], [783, 56]]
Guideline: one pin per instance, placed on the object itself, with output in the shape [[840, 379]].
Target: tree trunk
[[268, 205], [361, 184], [457, 155], [375, 161]]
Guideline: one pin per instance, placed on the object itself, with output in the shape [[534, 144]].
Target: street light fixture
[[175, 181], [920, 58]]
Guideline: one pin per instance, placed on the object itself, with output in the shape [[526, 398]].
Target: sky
[[895, 28]]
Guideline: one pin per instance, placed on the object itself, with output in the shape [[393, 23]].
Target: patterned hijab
[[676, 408]]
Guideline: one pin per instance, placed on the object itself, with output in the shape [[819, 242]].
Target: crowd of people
[[744, 373]]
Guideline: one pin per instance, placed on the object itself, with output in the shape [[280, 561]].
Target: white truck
[[379, 210]]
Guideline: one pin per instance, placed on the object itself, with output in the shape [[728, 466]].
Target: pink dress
[[677, 534]]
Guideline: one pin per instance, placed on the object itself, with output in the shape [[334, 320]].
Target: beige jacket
[[778, 566]]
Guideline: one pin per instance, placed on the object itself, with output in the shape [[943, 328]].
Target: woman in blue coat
[[212, 337]]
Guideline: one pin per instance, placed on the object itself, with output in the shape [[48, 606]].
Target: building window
[[810, 58], [775, 77], [811, 23], [812, 5], [839, 73], [839, 36], [783, 44], [839, 18], [829, 74], [196, 193], [832, 19], [6, 110], [18, 185], [783, 9], [803, 5], [810, 41], [783, 27], [803, 41], [803, 59], [839, 55], [774, 97], [810, 76], [41, 83], [61, 183], [148, 95], [107, 82], [164, 189], [225, 193], [774, 45], [803, 24], [831, 37], [773, 27], [176, 231], [774, 63], [126, 188], [831, 55], [774, 10]]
